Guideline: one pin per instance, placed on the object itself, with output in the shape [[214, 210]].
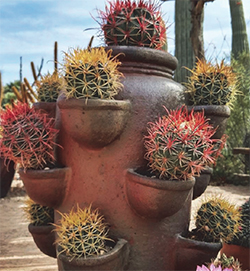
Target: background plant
[[37, 214], [91, 73], [179, 145], [27, 136], [82, 233]]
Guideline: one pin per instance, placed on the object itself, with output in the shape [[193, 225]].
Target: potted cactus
[[216, 221], [83, 242], [40, 227], [28, 137], [133, 23], [178, 146], [212, 88], [48, 89], [240, 244], [92, 82]]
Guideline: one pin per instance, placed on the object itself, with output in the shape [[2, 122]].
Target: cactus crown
[[243, 237], [211, 84], [82, 233], [38, 214], [179, 145], [133, 23], [49, 87], [27, 136], [91, 74], [217, 220]]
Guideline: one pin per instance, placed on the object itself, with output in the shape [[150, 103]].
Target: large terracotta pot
[[99, 176], [46, 187], [115, 259], [49, 108], [44, 238], [201, 182], [238, 252], [217, 115], [190, 253]]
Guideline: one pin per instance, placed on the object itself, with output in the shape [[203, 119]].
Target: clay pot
[[46, 187], [201, 182], [94, 123], [7, 172], [115, 259], [217, 115], [155, 198], [190, 253], [238, 252], [44, 238], [49, 108]]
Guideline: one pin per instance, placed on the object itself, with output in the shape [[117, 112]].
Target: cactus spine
[[82, 233], [217, 220], [38, 214], [91, 74], [133, 23]]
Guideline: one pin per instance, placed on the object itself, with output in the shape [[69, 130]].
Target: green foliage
[[38, 214], [8, 93], [217, 220], [82, 233]]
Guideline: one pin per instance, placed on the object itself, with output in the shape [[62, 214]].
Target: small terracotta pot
[[155, 198], [201, 182], [115, 259], [46, 187], [190, 253], [217, 115], [44, 238], [49, 108], [94, 123], [238, 252]]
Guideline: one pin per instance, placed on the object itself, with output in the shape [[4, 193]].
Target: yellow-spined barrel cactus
[[179, 144], [82, 233], [91, 74], [37, 214], [133, 23], [211, 84], [217, 220], [49, 87], [27, 136]]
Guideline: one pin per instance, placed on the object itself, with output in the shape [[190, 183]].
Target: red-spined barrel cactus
[[133, 23], [27, 136], [179, 145]]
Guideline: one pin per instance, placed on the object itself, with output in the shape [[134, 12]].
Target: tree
[[8, 93]]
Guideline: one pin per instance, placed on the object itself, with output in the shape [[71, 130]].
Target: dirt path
[[19, 252]]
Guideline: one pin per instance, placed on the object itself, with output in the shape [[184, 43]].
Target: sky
[[29, 29]]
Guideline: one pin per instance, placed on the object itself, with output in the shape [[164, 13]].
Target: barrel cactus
[[179, 145], [82, 233], [27, 137], [217, 220], [91, 74], [37, 214], [49, 87], [211, 84], [133, 23]]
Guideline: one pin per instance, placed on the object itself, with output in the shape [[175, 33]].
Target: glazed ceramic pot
[[217, 115], [46, 187], [190, 253], [115, 259], [155, 198], [238, 252], [201, 182], [44, 238]]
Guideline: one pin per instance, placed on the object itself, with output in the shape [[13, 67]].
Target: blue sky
[[30, 28]]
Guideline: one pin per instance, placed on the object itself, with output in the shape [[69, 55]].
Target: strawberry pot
[[201, 182]]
